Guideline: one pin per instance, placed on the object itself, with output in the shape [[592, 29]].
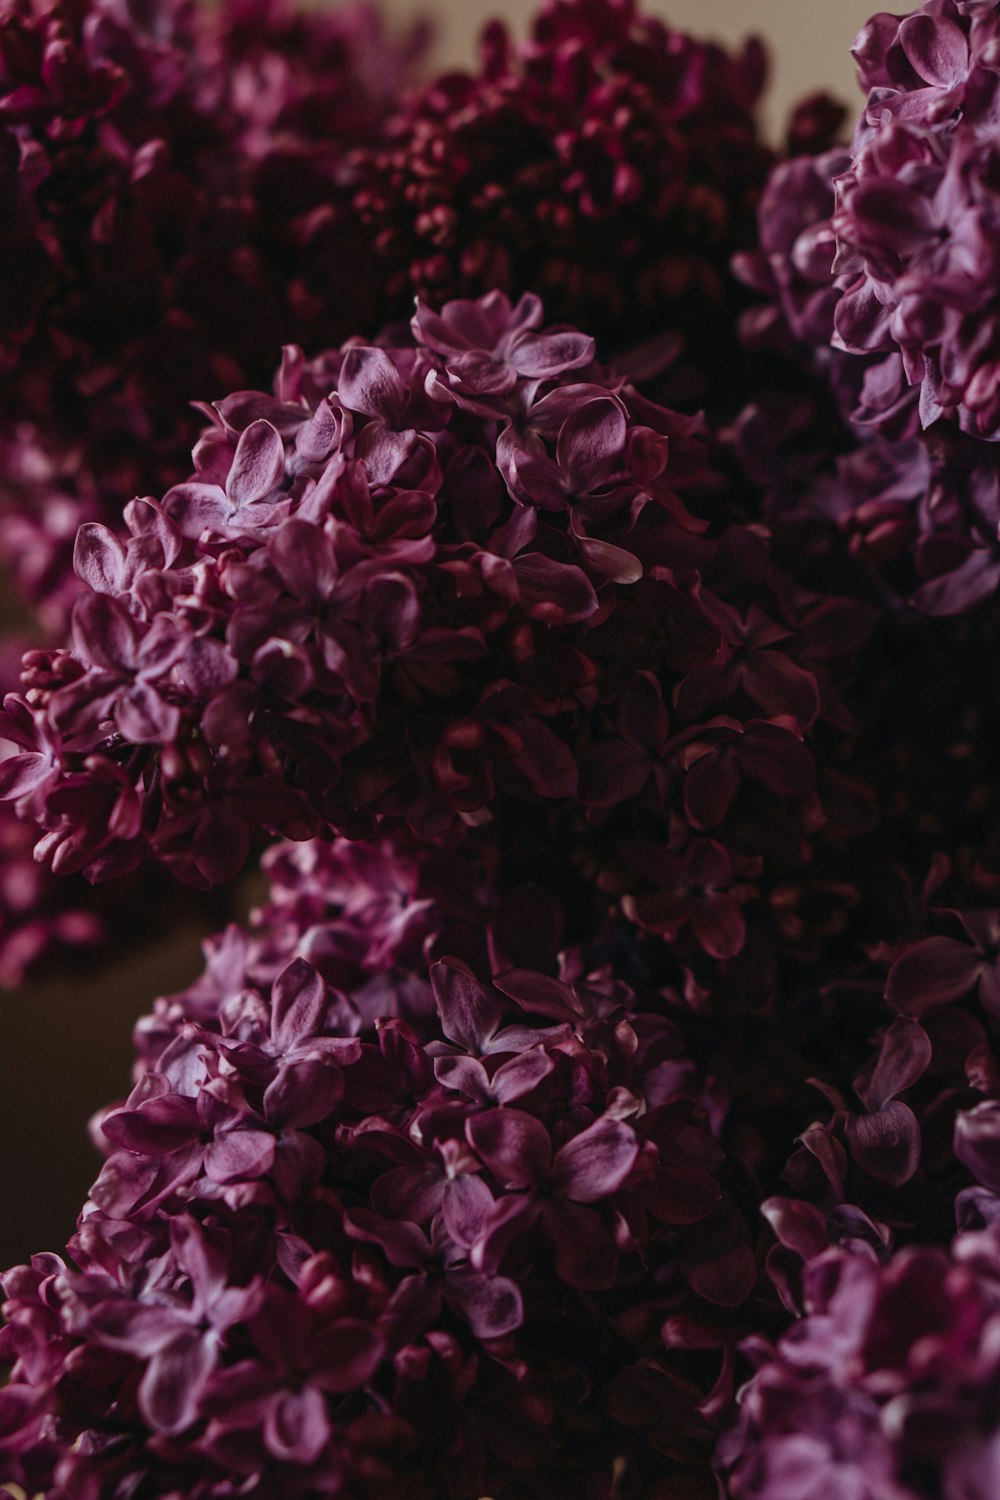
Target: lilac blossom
[[431, 585], [210, 149], [884, 1387], [323, 1249], [608, 162], [877, 261]]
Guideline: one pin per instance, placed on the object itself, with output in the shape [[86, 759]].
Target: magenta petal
[[861, 320], [391, 613], [258, 465], [538, 993], [719, 925], [545, 761], [800, 1226], [171, 1388], [369, 383], [469, 1013], [465, 1206], [296, 1428], [870, 48], [404, 1243], [509, 1219], [207, 666], [303, 554], [463, 1075], [886, 1144], [932, 972], [903, 1058], [157, 1127], [304, 1093], [936, 47], [105, 633], [20, 774], [238, 1154], [480, 374], [99, 558], [383, 452], [595, 1163], [298, 1004], [196, 508], [961, 589], [540, 356], [521, 1075], [591, 441], [552, 591], [144, 717], [977, 1142], [490, 1305], [514, 1145]]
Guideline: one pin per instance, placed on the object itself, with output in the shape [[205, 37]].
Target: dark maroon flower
[[167, 175], [595, 163]]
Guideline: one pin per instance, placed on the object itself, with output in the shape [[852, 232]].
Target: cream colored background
[[809, 40]]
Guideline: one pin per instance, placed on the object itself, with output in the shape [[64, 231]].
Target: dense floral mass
[[167, 177], [887, 1386], [881, 262], [604, 1098], [609, 163], [430, 582], [237, 161], [471, 1239]]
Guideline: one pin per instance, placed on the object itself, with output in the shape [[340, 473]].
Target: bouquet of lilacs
[[573, 614]]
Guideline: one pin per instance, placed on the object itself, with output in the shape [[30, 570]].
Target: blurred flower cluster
[[586, 634]]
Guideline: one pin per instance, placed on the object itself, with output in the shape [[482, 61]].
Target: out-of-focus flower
[[879, 264], [885, 1388], [167, 174]]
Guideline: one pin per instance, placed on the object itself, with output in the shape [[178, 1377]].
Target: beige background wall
[[808, 39]]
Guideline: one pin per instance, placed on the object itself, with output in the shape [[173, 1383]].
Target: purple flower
[[211, 151], [594, 163], [883, 1386], [322, 1248], [429, 585], [879, 265]]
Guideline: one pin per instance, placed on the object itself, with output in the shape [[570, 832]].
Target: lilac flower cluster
[[880, 262], [608, 163], [477, 1245], [432, 583], [167, 177], [181, 185], [887, 1385], [39, 914]]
